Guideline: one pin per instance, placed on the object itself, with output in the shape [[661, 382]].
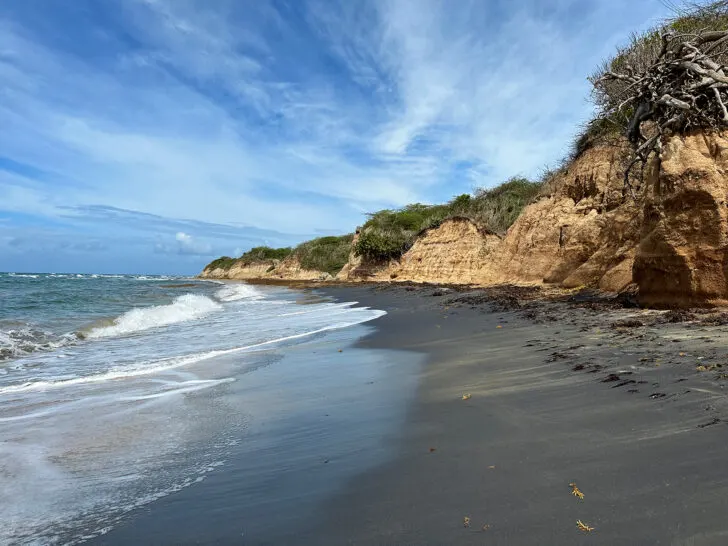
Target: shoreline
[[559, 394], [576, 389]]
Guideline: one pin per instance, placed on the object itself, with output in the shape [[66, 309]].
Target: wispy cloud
[[290, 117]]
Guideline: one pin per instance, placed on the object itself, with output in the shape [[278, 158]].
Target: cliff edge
[[668, 243]]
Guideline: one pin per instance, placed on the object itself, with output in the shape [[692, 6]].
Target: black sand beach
[[624, 403]]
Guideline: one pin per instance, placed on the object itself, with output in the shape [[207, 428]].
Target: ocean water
[[117, 391]]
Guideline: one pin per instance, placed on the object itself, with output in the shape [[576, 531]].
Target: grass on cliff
[[327, 254], [223, 262], [390, 233], [264, 254], [256, 254]]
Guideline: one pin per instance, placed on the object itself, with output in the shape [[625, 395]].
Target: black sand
[[631, 410], [653, 468]]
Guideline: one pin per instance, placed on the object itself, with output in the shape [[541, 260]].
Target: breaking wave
[[182, 309], [235, 292]]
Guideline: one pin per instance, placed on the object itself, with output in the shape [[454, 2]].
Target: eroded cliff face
[[580, 234], [682, 256], [291, 269], [670, 243], [240, 271], [455, 252], [287, 269]]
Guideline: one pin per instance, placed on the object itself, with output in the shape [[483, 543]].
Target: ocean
[[117, 391]]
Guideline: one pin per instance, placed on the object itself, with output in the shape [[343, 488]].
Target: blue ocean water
[[111, 388]]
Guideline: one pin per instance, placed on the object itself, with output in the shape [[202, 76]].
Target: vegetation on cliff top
[[671, 75], [390, 233], [256, 254], [223, 262], [326, 254]]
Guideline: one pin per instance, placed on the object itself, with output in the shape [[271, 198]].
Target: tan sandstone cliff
[[580, 234], [287, 269], [240, 271], [670, 243], [457, 251]]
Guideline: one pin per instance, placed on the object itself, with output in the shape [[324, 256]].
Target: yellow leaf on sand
[[583, 526], [499, 326], [466, 396], [466, 521], [682, 354]]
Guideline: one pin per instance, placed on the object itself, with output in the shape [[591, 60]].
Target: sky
[[150, 136]]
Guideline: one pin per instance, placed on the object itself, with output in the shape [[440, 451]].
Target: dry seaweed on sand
[[576, 491], [583, 526]]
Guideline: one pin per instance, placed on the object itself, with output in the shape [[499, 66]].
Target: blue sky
[[153, 135]]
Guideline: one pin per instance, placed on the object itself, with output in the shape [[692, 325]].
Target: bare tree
[[674, 77]]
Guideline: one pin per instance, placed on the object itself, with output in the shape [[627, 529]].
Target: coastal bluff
[[288, 269], [668, 243]]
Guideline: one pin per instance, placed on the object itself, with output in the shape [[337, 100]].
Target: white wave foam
[[184, 308], [23, 341], [152, 367], [23, 275], [318, 309], [188, 386], [235, 292]]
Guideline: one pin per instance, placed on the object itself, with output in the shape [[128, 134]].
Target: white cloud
[[186, 245], [232, 115]]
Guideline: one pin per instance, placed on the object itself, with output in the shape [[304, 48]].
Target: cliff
[[669, 243], [457, 252], [581, 233], [287, 269], [239, 271]]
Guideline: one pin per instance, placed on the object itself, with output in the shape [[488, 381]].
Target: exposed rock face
[[287, 269], [682, 257], [456, 252], [240, 271], [291, 269], [670, 242], [579, 235]]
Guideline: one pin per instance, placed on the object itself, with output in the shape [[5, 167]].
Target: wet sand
[[560, 393], [626, 404]]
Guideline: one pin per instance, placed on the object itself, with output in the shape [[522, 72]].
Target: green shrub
[[224, 262], [390, 233], [381, 246], [264, 253], [328, 254], [497, 208]]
